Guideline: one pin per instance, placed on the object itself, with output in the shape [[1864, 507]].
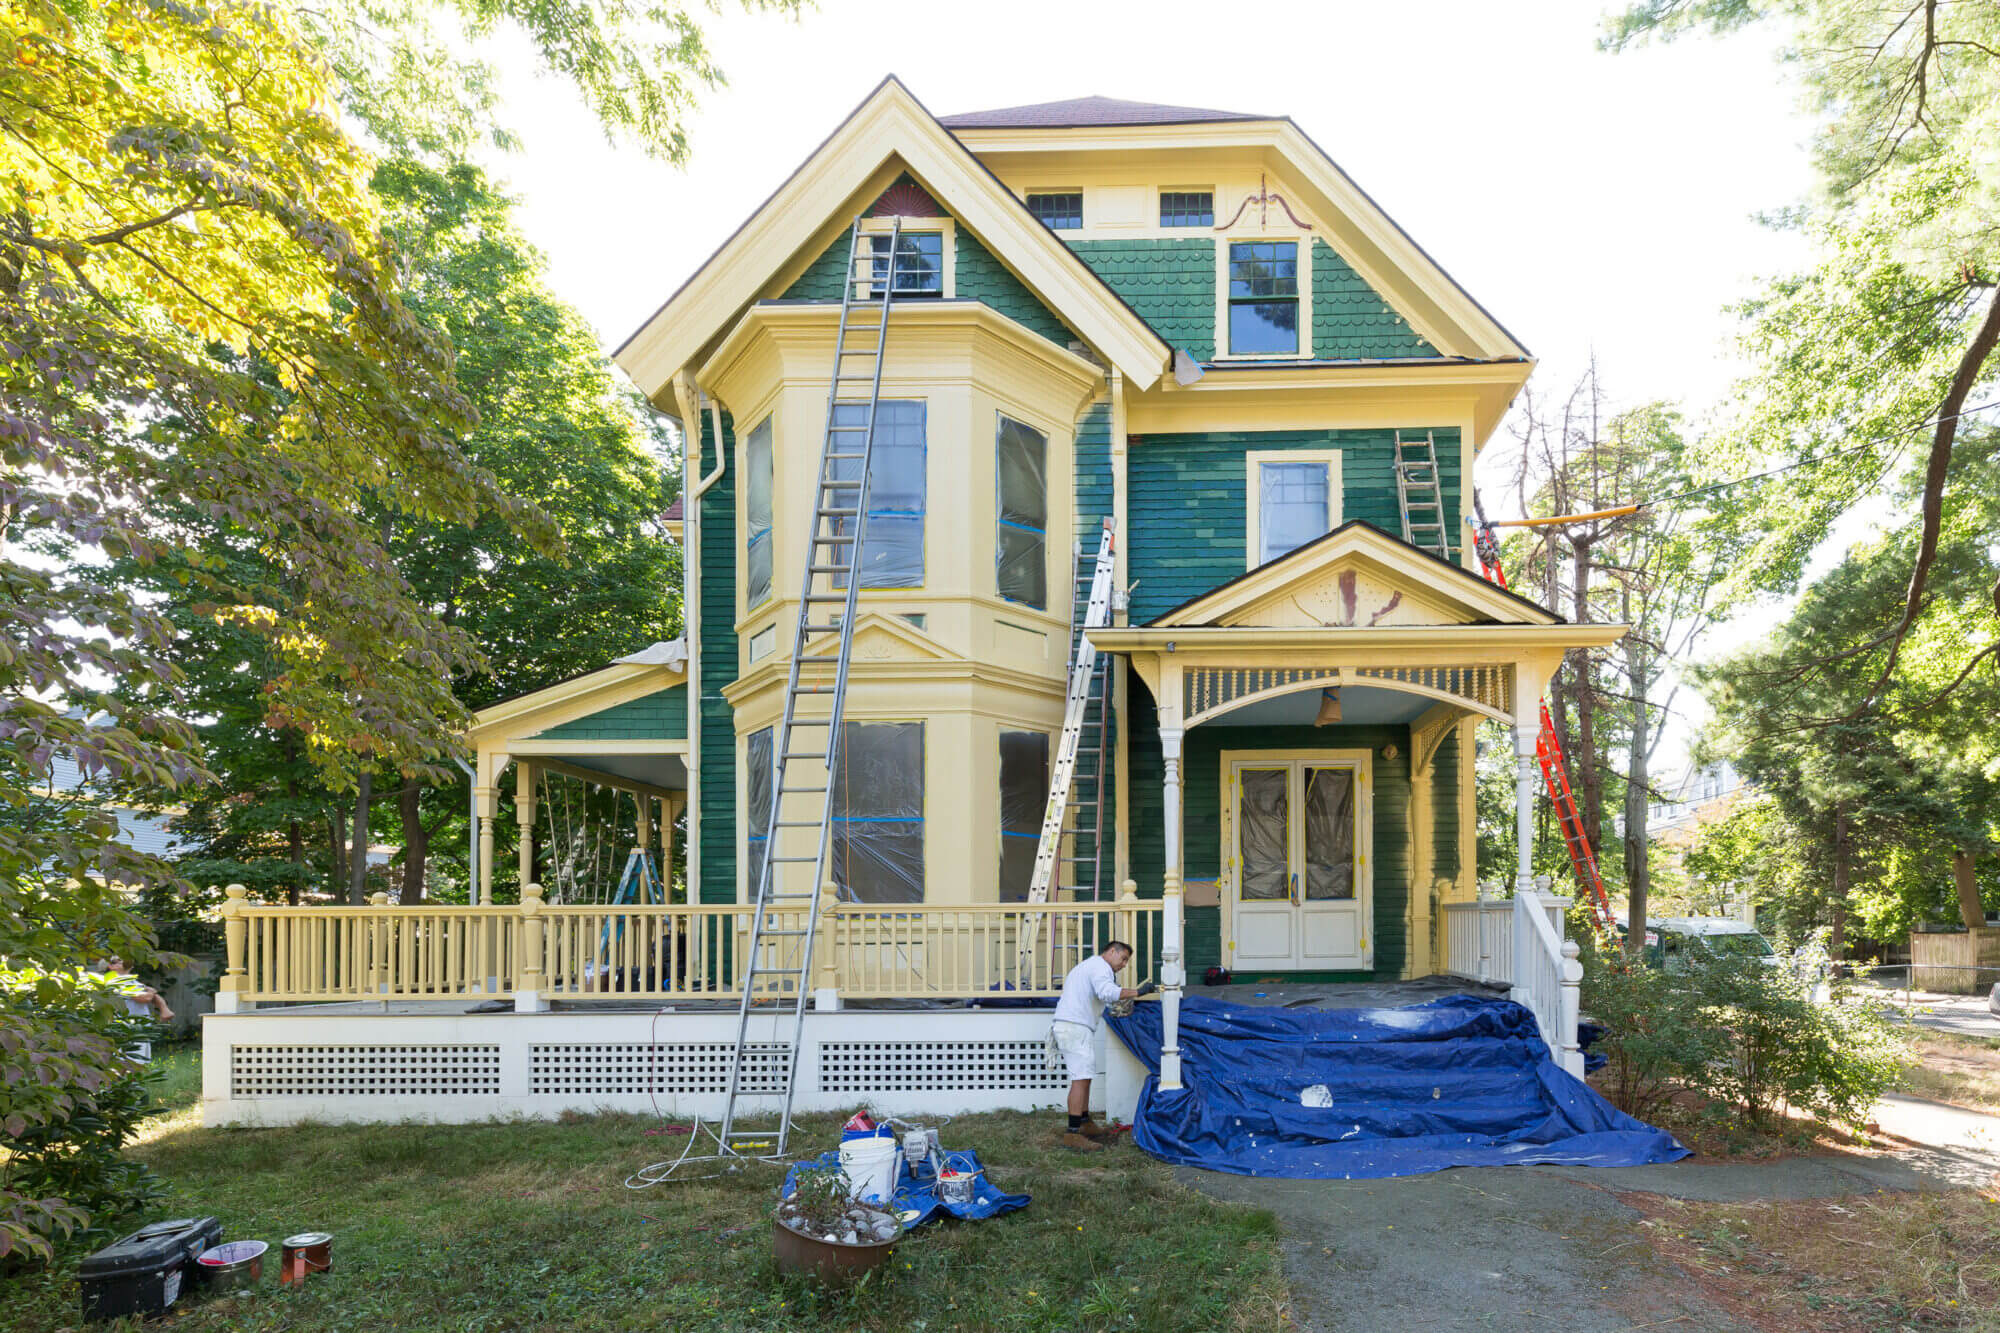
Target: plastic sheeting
[[1024, 798], [878, 802], [757, 483], [1021, 539], [1329, 833], [917, 1191], [1365, 1093], [1264, 831], [757, 775], [892, 538]]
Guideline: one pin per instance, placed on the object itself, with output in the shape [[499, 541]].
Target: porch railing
[[536, 951], [1518, 942]]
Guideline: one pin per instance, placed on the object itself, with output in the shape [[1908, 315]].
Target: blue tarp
[[917, 1191], [1330, 1094]]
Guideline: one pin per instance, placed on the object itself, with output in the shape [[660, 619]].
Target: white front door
[[1301, 891]]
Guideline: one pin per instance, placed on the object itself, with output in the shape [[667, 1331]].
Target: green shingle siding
[[1169, 282], [661, 715], [979, 277], [1444, 810], [1188, 494], [718, 669], [1201, 781], [1350, 320]]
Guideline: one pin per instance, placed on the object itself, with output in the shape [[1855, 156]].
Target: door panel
[[1302, 895]]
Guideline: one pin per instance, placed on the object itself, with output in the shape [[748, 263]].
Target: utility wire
[[1755, 476]]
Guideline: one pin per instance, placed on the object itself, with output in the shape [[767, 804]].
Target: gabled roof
[[1320, 583], [1076, 112], [889, 124]]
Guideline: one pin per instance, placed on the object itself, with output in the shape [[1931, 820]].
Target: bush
[[69, 1102], [1655, 1038], [1831, 1060]]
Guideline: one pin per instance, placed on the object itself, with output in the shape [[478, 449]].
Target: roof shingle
[[1076, 112]]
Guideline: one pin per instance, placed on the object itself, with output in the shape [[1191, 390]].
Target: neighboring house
[[149, 834], [1190, 324]]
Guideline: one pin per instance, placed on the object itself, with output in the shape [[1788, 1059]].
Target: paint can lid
[[305, 1240]]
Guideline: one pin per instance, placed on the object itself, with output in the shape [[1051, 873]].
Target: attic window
[[919, 263], [1264, 298], [1061, 211], [1187, 208]]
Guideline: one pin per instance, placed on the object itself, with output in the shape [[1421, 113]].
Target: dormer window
[[919, 263], [1060, 210], [1264, 298]]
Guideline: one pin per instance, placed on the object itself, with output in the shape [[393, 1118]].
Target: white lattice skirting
[[281, 1066]]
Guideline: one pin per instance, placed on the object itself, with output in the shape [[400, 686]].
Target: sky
[[1599, 205]]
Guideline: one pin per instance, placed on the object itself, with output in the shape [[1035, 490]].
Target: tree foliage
[[1886, 343]]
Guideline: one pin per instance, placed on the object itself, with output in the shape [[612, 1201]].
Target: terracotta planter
[[831, 1262]]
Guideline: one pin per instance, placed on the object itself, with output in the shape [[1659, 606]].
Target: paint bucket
[[870, 1167], [307, 1252], [956, 1186], [232, 1266]]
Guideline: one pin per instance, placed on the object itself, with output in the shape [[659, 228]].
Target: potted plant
[[819, 1231]]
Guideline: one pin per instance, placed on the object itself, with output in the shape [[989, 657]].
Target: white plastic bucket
[[870, 1167]]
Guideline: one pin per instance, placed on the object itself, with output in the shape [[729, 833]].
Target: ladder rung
[[764, 934]]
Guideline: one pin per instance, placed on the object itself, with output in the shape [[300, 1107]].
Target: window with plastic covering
[[757, 816], [878, 803], [1021, 538], [892, 542], [757, 481], [1024, 798], [1294, 506]]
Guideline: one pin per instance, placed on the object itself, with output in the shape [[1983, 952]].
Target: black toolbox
[[145, 1272]]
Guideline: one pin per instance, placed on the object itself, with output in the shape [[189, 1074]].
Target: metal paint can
[[956, 1186], [233, 1265], [307, 1252]]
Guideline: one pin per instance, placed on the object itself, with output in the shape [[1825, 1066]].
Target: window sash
[[892, 548], [1294, 506], [1059, 210], [1020, 541], [919, 263], [1187, 208], [759, 477]]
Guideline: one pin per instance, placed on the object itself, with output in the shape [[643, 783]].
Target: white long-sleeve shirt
[[1089, 986]]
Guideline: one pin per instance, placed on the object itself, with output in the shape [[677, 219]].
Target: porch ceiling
[[1360, 705], [666, 771]]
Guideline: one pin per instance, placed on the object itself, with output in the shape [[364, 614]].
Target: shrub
[[1656, 1037], [69, 1102], [1831, 1060]]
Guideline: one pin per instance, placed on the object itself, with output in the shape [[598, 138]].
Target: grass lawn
[[1854, 1265], [1947, 1067], [527, 1226]]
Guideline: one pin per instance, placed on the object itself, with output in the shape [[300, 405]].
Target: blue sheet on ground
[[1330, 1094], [917, 1190]]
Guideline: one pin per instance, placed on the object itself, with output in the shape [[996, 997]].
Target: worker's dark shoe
[[1076, 1142], [1092, 1130]]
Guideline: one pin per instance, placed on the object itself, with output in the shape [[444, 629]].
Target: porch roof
[[623, 725]]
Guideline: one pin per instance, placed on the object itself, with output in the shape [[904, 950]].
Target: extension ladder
[[1076, 794], [788, 879], [1549, 751], [1420, 495]]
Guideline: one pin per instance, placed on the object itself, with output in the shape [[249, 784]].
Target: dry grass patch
[[1859, 1264], [1947, 1067]]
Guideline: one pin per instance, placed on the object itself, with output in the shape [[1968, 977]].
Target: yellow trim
[[1253, 487], [1449, 589], [1417, 645], [889, 124], [1346, 218]]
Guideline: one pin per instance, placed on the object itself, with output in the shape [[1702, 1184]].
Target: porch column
[[486, 799], [669, 810], [1171, 971], [1524, 833], [524, 818]]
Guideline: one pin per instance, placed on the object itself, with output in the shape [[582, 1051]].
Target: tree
[[198, 317], [1891, 334]]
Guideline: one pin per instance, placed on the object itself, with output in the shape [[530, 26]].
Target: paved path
[[1530, 1248]]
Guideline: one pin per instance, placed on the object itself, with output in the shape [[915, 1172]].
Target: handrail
[[1547, 976], [535, 951]]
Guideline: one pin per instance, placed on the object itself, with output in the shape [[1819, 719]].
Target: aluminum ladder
[[1076, 783], [785, 906], [1420, 495], [1549, 753]]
